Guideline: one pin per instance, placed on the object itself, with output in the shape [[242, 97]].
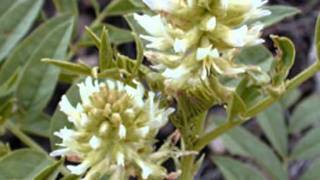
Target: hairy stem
[[261, 106]]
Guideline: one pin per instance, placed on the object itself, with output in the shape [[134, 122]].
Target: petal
[[95, 142]]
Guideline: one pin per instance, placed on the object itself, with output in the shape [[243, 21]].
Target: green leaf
[[317, 38], [10, 85], [239, 141], [121, 7], [290, 98], [38, 79], [67, 6], [37, 124], [16, 18], [235, 170], [23, 164], [25, 50], [284, 63], [305, 114], [236, 107], [278, 14], [4, 149], [117, 35], [105, 51], [59, 119], [71, 68], [313, 172], [308, 147], [71, 177], [51, 172], [256, 55], [272, 121]]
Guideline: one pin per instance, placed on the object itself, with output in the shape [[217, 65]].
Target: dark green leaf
[[51, 172], [278, 14], [241, 142], [305, 114], [308, 147], [38, 79], [23, 164], [16, 18], [37, 124], [25, 50], [59, 119], [272, 122], [235, 170]]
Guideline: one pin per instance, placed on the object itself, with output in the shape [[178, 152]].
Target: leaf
[[290, 98], [73, 68], [236, 107], [37, 124], [51, 172], [25, 50], [67, 6], [305, 114], [117, 35], [38, 80], [121, 7], [240, 142], [278, 13], [105, 51], [256, 55], [308, 147], [23, 164], [317, 38], [16, 18], [4, 149], [235, 170], [59, 119], [286, 53], [313, 172], [272, 121]]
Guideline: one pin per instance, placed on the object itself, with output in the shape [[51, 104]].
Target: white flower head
[[112, 119], [162, 5]]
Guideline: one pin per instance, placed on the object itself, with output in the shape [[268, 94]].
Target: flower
[[114, 128], [191, 38]]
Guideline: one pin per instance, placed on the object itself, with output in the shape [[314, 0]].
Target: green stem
[[30, 142], [23, 137], [261, 106], [187, 168]]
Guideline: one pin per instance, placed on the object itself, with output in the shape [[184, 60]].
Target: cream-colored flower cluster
[[114, 131], [189, 39]]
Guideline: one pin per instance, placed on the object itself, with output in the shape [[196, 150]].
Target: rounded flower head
[[114, 131], [189, 39]]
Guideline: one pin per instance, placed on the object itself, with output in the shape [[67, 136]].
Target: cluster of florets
[[114, 132], [190, 39]]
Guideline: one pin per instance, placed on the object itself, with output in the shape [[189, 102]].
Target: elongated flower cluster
[[189, 39], [114, 131]]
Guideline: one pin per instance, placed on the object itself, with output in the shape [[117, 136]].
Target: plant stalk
[[31, 143], [261, 106]]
